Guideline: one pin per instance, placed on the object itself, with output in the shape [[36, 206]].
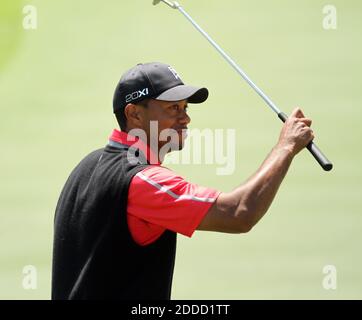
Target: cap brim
[[184, 92]]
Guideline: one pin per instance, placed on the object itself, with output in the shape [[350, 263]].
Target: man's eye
[[176, 107]]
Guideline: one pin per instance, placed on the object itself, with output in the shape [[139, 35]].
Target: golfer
[[120, 210]]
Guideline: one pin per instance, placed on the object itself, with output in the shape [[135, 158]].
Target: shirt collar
[[130, 140]]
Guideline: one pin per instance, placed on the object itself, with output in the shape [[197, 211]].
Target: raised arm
[[239, 210]]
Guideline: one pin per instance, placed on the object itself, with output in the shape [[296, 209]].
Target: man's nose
[[184, 117]]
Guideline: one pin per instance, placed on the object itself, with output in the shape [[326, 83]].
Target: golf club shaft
[[231, 62], [314, 150]]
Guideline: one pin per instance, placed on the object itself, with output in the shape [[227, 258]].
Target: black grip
[[282, 116], [313, 149]]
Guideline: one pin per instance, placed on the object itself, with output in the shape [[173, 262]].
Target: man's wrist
[[285, 150]]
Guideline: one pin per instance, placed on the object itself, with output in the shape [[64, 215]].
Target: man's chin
[[170, 148], [176, 143], [177, 147]]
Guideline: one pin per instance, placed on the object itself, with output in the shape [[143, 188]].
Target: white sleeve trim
[[172, 194]]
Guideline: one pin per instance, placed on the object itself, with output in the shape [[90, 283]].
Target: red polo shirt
[[159, 199]]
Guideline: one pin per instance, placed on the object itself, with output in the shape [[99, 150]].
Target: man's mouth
[[181, 129]]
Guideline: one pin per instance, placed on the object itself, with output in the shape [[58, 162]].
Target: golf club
[[314, 150]]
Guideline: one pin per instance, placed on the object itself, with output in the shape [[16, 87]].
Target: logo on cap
[[174, 72], [137, 94]]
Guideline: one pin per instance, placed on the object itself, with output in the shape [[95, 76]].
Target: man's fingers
[[297, 113], [306, 121]]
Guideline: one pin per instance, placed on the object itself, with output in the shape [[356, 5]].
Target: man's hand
[[239, 210], [296, 132]]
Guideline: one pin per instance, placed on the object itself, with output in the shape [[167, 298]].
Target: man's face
[[169, 115]]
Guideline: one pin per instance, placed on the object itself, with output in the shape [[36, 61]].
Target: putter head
[[174, 5]]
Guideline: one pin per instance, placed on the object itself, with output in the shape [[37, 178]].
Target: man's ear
[[133, 115]]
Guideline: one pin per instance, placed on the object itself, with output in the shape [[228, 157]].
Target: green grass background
[[56, 87]]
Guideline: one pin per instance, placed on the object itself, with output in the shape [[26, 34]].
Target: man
[[120, 210]]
